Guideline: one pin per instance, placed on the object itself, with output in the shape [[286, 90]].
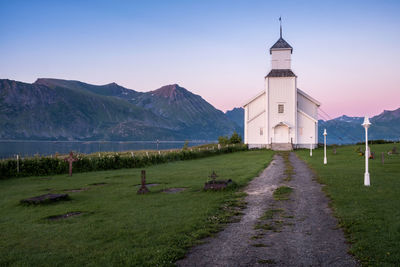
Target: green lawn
[[119, 227], [369, 215]]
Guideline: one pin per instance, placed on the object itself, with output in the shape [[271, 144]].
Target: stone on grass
[[214, 184], [45, 199], [217, 184]]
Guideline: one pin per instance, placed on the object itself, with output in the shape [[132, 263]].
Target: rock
[[217, 184]]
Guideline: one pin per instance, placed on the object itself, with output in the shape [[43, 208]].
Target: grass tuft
[[282, 192], [269, 261]]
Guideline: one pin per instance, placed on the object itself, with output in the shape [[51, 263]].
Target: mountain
[[111, 89], [348, 130], [345, 118], [191, 114], [236, 115], [54, 109]]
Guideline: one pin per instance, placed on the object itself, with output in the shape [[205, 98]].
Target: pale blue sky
[[346, 53]]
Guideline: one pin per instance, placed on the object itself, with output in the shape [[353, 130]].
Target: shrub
[[48, 166], [235, 138]]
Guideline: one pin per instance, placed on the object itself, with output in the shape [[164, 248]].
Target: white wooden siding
[[281, 59], [282, 91], [256, 107], [309, 130], [253, 130], [307, 106]]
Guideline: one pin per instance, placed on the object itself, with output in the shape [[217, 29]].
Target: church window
[[280, 108], [261, 130]]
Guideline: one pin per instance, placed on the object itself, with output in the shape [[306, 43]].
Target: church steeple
[[281, 44], [281, 52]]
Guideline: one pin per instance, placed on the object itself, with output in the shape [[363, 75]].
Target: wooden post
[[17, 163], [383, 158], [143, 189]]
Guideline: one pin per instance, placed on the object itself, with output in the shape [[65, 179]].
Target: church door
[[281, 134]]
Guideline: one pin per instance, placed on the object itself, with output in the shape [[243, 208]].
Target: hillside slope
[[54, 109]]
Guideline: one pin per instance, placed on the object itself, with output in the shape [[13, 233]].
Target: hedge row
[[49, 166]]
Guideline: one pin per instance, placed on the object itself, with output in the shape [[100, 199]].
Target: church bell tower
[[281, 95]]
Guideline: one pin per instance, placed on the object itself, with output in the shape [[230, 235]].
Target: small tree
[[235, 138], [223, 140]]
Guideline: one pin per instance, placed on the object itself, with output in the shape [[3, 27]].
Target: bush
[[234, 139], [48, 166], [223, 140]]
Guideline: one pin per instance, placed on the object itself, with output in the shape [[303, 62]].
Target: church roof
[[281, 73], [281, 44]]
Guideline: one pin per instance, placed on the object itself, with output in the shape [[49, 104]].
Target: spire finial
[[280, 22]]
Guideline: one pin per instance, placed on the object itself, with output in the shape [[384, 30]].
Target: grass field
[[369, 215], [117, 226]]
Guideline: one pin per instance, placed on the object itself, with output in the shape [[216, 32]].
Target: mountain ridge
[[55, 109]]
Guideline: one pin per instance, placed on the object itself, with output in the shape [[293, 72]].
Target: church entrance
[[281, 134]]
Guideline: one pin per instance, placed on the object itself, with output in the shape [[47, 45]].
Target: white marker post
[[325, 134], [366, 125], [310, 146]]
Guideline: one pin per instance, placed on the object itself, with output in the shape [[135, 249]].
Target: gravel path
[[300, 231]]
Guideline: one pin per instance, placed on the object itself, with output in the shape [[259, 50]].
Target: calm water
[[10, 149]]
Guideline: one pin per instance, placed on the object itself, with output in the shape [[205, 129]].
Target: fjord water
[[9, 149]]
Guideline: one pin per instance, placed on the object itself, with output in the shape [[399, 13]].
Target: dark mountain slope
[[111, 89], [346, 130], [71, 110], [236, 115], [35, 111], [192, 115]]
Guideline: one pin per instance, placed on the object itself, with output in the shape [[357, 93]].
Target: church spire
[[281, 43]]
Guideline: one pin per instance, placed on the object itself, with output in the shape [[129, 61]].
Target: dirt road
[[299, 231]]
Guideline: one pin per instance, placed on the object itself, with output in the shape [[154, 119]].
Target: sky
[[346, 53]]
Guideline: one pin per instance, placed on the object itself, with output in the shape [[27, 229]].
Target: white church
[[282, 116]]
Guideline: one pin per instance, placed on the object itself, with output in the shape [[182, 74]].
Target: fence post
[[17, 163]]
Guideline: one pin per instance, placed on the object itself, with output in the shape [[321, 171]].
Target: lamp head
[[366, 123], [325, 134]]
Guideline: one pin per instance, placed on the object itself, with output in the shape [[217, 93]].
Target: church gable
[[255, 107], [307, 104]]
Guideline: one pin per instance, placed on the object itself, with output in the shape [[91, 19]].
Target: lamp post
[[366, 125], [310, 146], [325, 134]]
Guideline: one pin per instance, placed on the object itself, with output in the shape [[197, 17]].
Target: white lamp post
[[325, 134], [310, 146], [366, 125]]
